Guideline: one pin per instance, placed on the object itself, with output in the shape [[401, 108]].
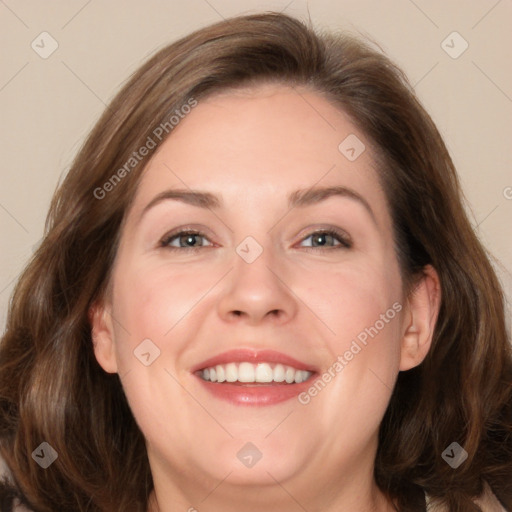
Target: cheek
[[157, 303], [361, 307], [356, 300], [149, 303]]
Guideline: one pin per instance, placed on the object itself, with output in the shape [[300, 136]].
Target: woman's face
[[289, 273]]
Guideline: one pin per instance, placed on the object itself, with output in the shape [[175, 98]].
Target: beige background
[[49, 105]]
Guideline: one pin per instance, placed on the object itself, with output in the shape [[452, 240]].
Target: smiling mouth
[[254, 374]]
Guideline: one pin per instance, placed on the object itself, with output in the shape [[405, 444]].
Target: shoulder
[[487, 502], [9, 496]]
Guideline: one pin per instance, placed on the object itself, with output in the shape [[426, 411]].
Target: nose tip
[[273, 312], [254, 292]]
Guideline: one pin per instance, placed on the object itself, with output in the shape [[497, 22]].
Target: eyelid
[[344, 239], [164, 241]]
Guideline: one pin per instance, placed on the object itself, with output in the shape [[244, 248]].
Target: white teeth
[[221, 374], [249, 373], [246, 372], [279, 373], [231, 372], [289, 375], [264, 373]]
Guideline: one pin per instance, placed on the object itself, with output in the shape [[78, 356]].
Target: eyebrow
[[297, 199]]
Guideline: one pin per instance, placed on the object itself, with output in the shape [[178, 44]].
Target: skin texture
[[252, 148]]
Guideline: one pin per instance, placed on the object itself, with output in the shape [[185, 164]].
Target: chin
[[258, 462]]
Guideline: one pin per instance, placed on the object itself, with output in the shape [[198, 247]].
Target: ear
[[102, 333], [420, 319]]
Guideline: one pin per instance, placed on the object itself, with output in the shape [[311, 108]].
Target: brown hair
[[51, 386]]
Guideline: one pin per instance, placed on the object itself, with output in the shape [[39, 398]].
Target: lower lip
[[255, 394]]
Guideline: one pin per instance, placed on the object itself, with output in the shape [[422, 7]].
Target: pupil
[[321, 239], [190, 239]]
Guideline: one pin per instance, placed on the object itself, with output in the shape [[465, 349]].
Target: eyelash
[[345, 242]]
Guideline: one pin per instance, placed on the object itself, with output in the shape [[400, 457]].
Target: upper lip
[[253, 356]]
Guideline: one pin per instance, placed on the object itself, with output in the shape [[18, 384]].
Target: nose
[[258, 291]]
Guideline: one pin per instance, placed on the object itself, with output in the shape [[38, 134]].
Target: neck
[[379, 504], [354, 495]]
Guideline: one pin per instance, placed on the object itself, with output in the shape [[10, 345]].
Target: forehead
[[262, 143]]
